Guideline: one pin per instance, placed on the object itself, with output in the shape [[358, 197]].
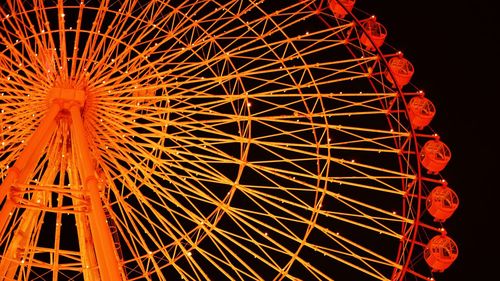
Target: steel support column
[[27, 161], [109, 267]]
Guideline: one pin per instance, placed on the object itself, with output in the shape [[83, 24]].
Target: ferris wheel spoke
[[186, 142], [19, 58], [355, 218], [227, 241], [158, 224], [16, 82], [223, 56], [315, 248], [264, 251], [53, 62], [125, 29], [229, 262], [197, 174], [372, 172], [94, 45], [197, 171], [204, 145], [136, 36], [14, 135], [363, 144], [186, 252], [139, 246], [269, 104], [356, 256], [338, 196], [260, 224], [61, 28], [254, 73], [13, 80]]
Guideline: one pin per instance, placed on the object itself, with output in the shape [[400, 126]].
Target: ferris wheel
[[214, 140]]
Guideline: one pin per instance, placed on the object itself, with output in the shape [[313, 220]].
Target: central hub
[[67, 96]]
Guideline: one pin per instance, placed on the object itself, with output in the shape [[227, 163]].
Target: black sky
[[451, 45]]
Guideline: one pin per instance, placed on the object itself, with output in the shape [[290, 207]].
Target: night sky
[[450, 44]]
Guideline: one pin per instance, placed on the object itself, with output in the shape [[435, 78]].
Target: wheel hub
[[66, 96]]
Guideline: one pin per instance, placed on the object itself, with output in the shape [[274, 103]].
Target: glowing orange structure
[[435, 156], [340, 8], [374, 34], [441, 252], [421, 111], [442, 202], [399, 71], [213, 140]]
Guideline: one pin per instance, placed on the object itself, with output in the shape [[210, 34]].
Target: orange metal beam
[[20, 173], [107, 257], [27, 161], [90, 268]]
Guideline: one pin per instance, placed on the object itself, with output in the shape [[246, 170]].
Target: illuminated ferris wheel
[[214, 140]]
